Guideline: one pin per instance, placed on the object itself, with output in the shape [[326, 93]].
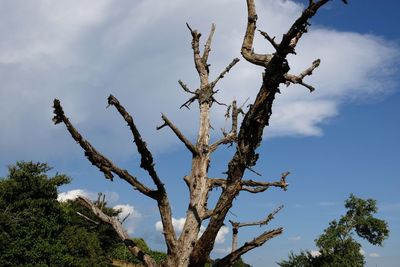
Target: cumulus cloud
[[111, 197], [73, 194], [179, 223], [130, 214], [82, 52]]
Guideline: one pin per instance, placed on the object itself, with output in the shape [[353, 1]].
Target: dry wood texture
[[188, 249]]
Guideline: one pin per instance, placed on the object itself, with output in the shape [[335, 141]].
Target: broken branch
[[179, 134], [207, 46]]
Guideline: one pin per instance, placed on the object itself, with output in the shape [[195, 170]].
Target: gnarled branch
[[147, 161], [117, 226], [96, 158], [248, 40]]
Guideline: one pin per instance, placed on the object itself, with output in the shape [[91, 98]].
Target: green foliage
[[120, 252], [35, 229], [336, 245]]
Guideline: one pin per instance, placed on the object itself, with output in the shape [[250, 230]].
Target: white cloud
[[73, 194], [111, 197], [374, 255], [179, 224], [133, 218], [362, 251], [83, 51], [295, 238]]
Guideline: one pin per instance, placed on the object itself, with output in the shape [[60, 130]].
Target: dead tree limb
[[179, 134], [237, 225], [231, 258], [117, 226], [256, 119], [108, 167], [299, 78]]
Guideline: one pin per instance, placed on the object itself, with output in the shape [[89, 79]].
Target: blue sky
[[339, 140]]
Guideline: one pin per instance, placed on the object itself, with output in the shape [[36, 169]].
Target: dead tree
[[188, 249]]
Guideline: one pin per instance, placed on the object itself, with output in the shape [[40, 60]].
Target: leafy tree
[[337, 246], [35, 229]]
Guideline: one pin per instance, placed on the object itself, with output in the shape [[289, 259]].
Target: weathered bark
[[189, 249]]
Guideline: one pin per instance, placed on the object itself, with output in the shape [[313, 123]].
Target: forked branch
[[299, 78], [232, 257], [237, 225], [118, 228], [96, 158], [232, 135]]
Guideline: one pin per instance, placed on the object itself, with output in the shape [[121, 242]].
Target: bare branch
[[257, 187], [271, 40], [237, 225], [299, 78], [232, 135], [185, 87], [291, 38], [87, 218], [207, 46], [117, 226], [229, 259], [262, 222], [247, 46], [225, 71], [147, 161], [179, 134], [104, 164], [201, 66], [189, 102]]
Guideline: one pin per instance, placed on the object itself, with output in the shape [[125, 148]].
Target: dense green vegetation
[[337, 246], [37, 230]]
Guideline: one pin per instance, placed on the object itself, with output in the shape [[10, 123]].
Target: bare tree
[[188, 249]]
